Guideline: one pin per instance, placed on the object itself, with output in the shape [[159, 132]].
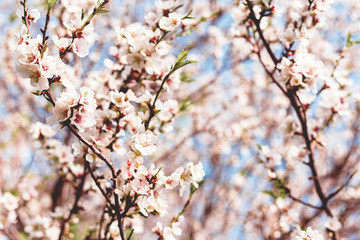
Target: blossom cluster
[[9, 203], [111, 121], [105, 134]]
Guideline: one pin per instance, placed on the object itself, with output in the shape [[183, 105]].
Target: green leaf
[[15, 192], [214, 14], [102, 11], [187, 16], [350, 42], [44, 49], [278, 183], [186, 103], [82, 14], [184, 77], [242, 172], [180, 61], [270, 193], [348, 39], [182, 64], [74, 229], [51, 4], [176, 8], [193, 189], [24, 236], [12, 17], [158, 172], [182, 56], [201, 182], [202, 19], [282, 190], [283, 193], [37, 93]]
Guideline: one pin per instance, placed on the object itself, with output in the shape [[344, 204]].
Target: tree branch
[[297, 106]]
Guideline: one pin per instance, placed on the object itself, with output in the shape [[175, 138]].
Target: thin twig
[[258, 28], [91, 146], [98, 185], [74, 209], [304, 203], [101, 221], [333, 194], [152, 107], [131, 233]]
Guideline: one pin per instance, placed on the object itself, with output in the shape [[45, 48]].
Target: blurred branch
[[297, 106], [75, 208], [333, 194], [304, 203]]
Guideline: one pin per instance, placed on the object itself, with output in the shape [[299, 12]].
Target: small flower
[[173, 180], [122, 101], [165, 5], [145, 142], [333, 224], [167, 110], [40, 130], [309, 234], [34, 73], [8, 201], [79, 109], [162, 48], [81, 47], [84, 38], [61, 43], [170, 23], [151, 18], [32, 16], [192, 174], [40, 72]]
